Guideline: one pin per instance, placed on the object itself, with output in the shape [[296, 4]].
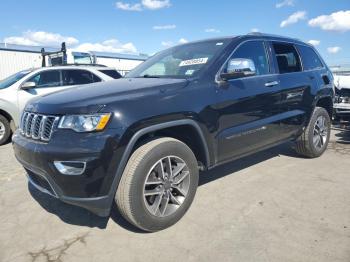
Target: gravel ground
[[271, 206]]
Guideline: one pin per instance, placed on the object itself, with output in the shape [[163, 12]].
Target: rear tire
[[314, 140], [5, 130], [158, 184]]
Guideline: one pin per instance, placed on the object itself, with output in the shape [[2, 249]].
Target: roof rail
[[76, 64], [255, 33], [272, 35]]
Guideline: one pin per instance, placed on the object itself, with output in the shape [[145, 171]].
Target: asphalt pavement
[[271, 206]]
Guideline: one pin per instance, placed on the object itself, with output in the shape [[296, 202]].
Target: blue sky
[[148, 26]]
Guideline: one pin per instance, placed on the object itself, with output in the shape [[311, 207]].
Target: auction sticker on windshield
[[196, 61]]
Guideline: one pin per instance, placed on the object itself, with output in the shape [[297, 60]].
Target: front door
[[45, 82], [249, 106]]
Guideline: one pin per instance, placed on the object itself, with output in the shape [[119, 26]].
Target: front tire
[[158, 184], [5, 130], [314, 140]]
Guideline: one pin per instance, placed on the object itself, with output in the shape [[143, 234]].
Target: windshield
[[182, 61], [5, 83]]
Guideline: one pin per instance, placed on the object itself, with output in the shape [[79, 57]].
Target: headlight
[[84, 123]]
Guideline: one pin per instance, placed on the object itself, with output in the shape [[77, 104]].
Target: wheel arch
[[154, 129], [9, 118], [185, 130], [325, 102]]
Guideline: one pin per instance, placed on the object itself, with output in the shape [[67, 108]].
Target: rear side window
[[112, 73], [310, 58], [49, 78], [287, 58], [78, 77]]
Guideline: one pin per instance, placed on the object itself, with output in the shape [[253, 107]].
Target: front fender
[[130, 138]]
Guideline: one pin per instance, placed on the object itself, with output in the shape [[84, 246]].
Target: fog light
[[72, 168]]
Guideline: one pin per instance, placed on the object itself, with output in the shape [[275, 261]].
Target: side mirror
[[237, 68], [28, 85]]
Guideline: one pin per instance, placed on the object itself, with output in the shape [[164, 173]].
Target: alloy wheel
[[320, 133], [166, 186], [2, 130]]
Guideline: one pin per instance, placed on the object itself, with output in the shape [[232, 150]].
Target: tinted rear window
[[112, 73], [310, 58]]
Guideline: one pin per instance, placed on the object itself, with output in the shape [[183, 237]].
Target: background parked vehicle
[[141, 141], [18, 89], [15, 58], [342, 94]]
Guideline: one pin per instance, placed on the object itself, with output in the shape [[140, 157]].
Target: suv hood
[[91, 98]]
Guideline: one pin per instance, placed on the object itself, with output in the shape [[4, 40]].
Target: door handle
[[273, 83]]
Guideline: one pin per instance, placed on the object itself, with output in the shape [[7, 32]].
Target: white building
[[14, 58]]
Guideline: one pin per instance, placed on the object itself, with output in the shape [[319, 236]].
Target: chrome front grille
[[37, 126]]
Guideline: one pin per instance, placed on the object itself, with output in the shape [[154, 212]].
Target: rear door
[[296, 87], [249, 106], [314, 66]]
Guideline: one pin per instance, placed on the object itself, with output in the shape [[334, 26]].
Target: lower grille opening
[[40, 182]]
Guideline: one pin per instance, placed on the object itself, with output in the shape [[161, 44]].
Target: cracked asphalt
[[271, 206]]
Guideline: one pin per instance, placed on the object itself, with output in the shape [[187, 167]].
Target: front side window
[[78, 77], [287, 58], [50, 78], [255, 52], [182, 61], [310, 58]]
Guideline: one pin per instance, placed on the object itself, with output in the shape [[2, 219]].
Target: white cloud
[[128, 7], [164, 27], [285, 3], [338, 21], [156, 4], [333, 49], [37, 38], [171, 43], [314, 42], [167, 43], [294, 18], [111, 45], [40, 38], [145, 4], [212, 30], [254, 30], [183, 41]]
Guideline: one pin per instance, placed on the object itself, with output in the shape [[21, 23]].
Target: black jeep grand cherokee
[[141, 140]]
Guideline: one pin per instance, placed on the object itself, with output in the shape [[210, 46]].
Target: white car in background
[[18, 89], [342, 95]]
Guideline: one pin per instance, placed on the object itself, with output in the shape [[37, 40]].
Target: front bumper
[[92, 189], [342, 109]]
